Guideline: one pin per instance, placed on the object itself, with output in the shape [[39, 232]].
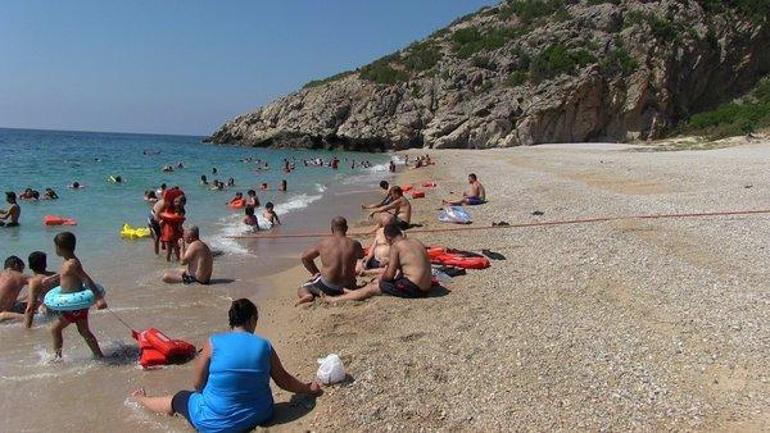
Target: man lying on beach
[[399, 206], [12, 280], [385, 200], [198, 258], [10, 216], [408, 274], [339, 255], [474, 195], [376, 259]]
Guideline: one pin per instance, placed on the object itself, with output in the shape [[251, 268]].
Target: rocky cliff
[[527, 72]]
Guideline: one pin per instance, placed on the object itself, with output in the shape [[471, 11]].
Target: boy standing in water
[[74, 279]]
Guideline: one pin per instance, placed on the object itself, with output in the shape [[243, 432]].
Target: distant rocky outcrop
[[527, 72]]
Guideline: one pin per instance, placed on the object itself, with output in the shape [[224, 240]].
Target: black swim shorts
[[179, 404], [373, 263], [403, 225], [190, 279], [401, 287], [19, 307], [318, 284]]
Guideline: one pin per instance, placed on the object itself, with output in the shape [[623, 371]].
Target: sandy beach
[[627, 325], [651, 325]]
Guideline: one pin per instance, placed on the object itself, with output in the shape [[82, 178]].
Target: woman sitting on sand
[[232, 379]]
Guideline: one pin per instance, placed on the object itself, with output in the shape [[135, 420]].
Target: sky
[[187, 66]]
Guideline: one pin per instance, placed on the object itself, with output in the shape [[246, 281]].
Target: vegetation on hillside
[[316, 83], [734, 118]]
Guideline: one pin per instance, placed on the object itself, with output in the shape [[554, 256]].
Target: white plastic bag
[[331, 370]]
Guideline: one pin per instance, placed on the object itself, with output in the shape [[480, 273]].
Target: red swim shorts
[[74, 316]]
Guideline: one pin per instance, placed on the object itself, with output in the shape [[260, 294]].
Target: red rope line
[[524, 225]]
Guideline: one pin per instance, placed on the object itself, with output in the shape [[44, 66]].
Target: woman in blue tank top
[[232, 380]]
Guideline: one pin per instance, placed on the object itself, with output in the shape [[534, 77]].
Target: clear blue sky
[[186, 66]]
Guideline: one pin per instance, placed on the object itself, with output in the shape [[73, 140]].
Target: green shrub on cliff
[[617, 61], [557, 59], [734, 118], [381, 71], [470, 40], [528, 10], [422, 56], [321, 82]]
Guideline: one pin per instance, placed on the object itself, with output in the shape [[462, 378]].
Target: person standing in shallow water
[[231, 380], [10, 217]]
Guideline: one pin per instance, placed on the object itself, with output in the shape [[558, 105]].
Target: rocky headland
[[530, 71]]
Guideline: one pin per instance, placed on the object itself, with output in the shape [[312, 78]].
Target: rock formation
[[527, 72]]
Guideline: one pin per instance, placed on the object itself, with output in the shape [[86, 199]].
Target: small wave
[[298, 202], [320, 188]]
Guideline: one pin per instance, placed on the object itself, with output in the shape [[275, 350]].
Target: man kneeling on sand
[[408, 274], [198, 258], [339, 255]]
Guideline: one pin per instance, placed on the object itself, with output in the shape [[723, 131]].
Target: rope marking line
[[524, 225]]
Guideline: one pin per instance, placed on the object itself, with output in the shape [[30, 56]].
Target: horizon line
[[101, 132]]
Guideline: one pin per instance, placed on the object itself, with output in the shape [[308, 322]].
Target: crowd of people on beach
[[232, 382]]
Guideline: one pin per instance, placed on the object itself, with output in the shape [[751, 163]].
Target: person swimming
[[270, 216], [50, 194], [250, 219]]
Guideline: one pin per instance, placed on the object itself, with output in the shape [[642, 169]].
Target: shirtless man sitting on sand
[[339, 255], [377, 258], [198, 258], [475, 195], [10, 216], [12, 280], [408, 274], [400, 206]]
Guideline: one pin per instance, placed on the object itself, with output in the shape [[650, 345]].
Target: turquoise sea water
[[40, 159]]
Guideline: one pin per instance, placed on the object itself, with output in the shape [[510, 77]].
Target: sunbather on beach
[[10, 216], [375, 261], [198, 258], [474, 195], [398, 206], [12, 280], [339, 255], [408, 274]]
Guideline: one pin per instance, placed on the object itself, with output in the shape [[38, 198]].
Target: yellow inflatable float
[[128, 232]]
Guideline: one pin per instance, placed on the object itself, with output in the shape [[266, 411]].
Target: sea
[[40, 394]]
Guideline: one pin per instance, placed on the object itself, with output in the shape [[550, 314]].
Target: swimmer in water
[[250, 219], [76, 185], [283, 186], [204, 180], [10, 216], [50, 194], [73, 279], [252, 199], [270, 216]]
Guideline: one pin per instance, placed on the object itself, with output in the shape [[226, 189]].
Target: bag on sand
[[331, 370]]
